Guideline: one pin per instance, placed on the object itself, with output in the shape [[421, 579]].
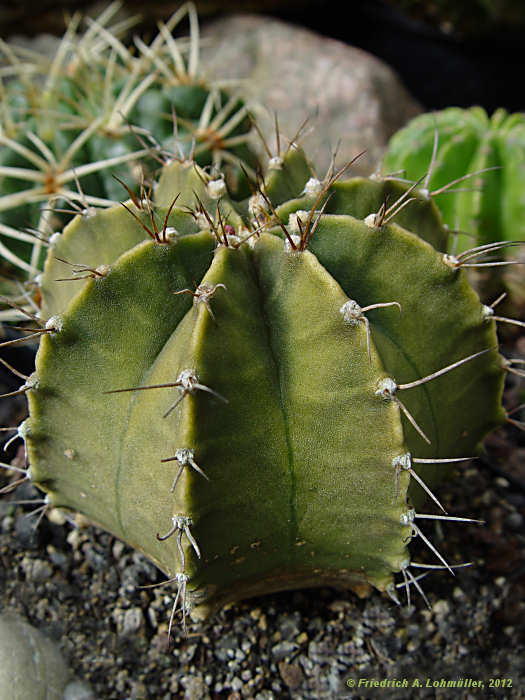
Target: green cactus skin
[[204, 392], [89, 114]]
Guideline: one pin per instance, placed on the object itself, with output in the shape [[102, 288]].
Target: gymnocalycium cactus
[[259, 395], [70, 123]]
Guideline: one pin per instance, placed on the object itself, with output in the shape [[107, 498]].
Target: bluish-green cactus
[[258, 395]]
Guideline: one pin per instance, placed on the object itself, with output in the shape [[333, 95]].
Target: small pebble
[[514, 521], [283, 649], [132, 621], [78, 690], [37, 570]]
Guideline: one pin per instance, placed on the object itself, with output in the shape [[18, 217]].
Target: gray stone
[[282, 650], [31, 665], [133, 620], [78, 690], [187, 653], [226, 647], [351, 97], [320, 652], [288, 625], [236, 684], [194, 687], [37, 570]]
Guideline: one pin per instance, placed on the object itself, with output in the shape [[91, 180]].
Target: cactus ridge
[[241, 379]]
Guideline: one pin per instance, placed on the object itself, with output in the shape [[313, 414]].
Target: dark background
[[447, 53], [484, 66]]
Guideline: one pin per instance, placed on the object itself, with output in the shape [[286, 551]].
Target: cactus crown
[[257, 394]]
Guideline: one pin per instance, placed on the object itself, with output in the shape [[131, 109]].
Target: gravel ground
[[82, 588]]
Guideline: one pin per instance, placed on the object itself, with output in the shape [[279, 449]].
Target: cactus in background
[[469, 142], [474, 169], [258, 395], [71, 123]]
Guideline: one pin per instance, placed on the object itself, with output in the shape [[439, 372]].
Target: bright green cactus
[[258, 395], [70, 124], [469, 142], [474, 169]]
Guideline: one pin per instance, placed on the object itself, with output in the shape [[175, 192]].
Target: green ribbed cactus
[[476, 176], [491, 207], [258, 395], [72, 122]]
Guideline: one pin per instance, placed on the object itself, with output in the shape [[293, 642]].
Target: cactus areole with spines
[[244, 391]]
